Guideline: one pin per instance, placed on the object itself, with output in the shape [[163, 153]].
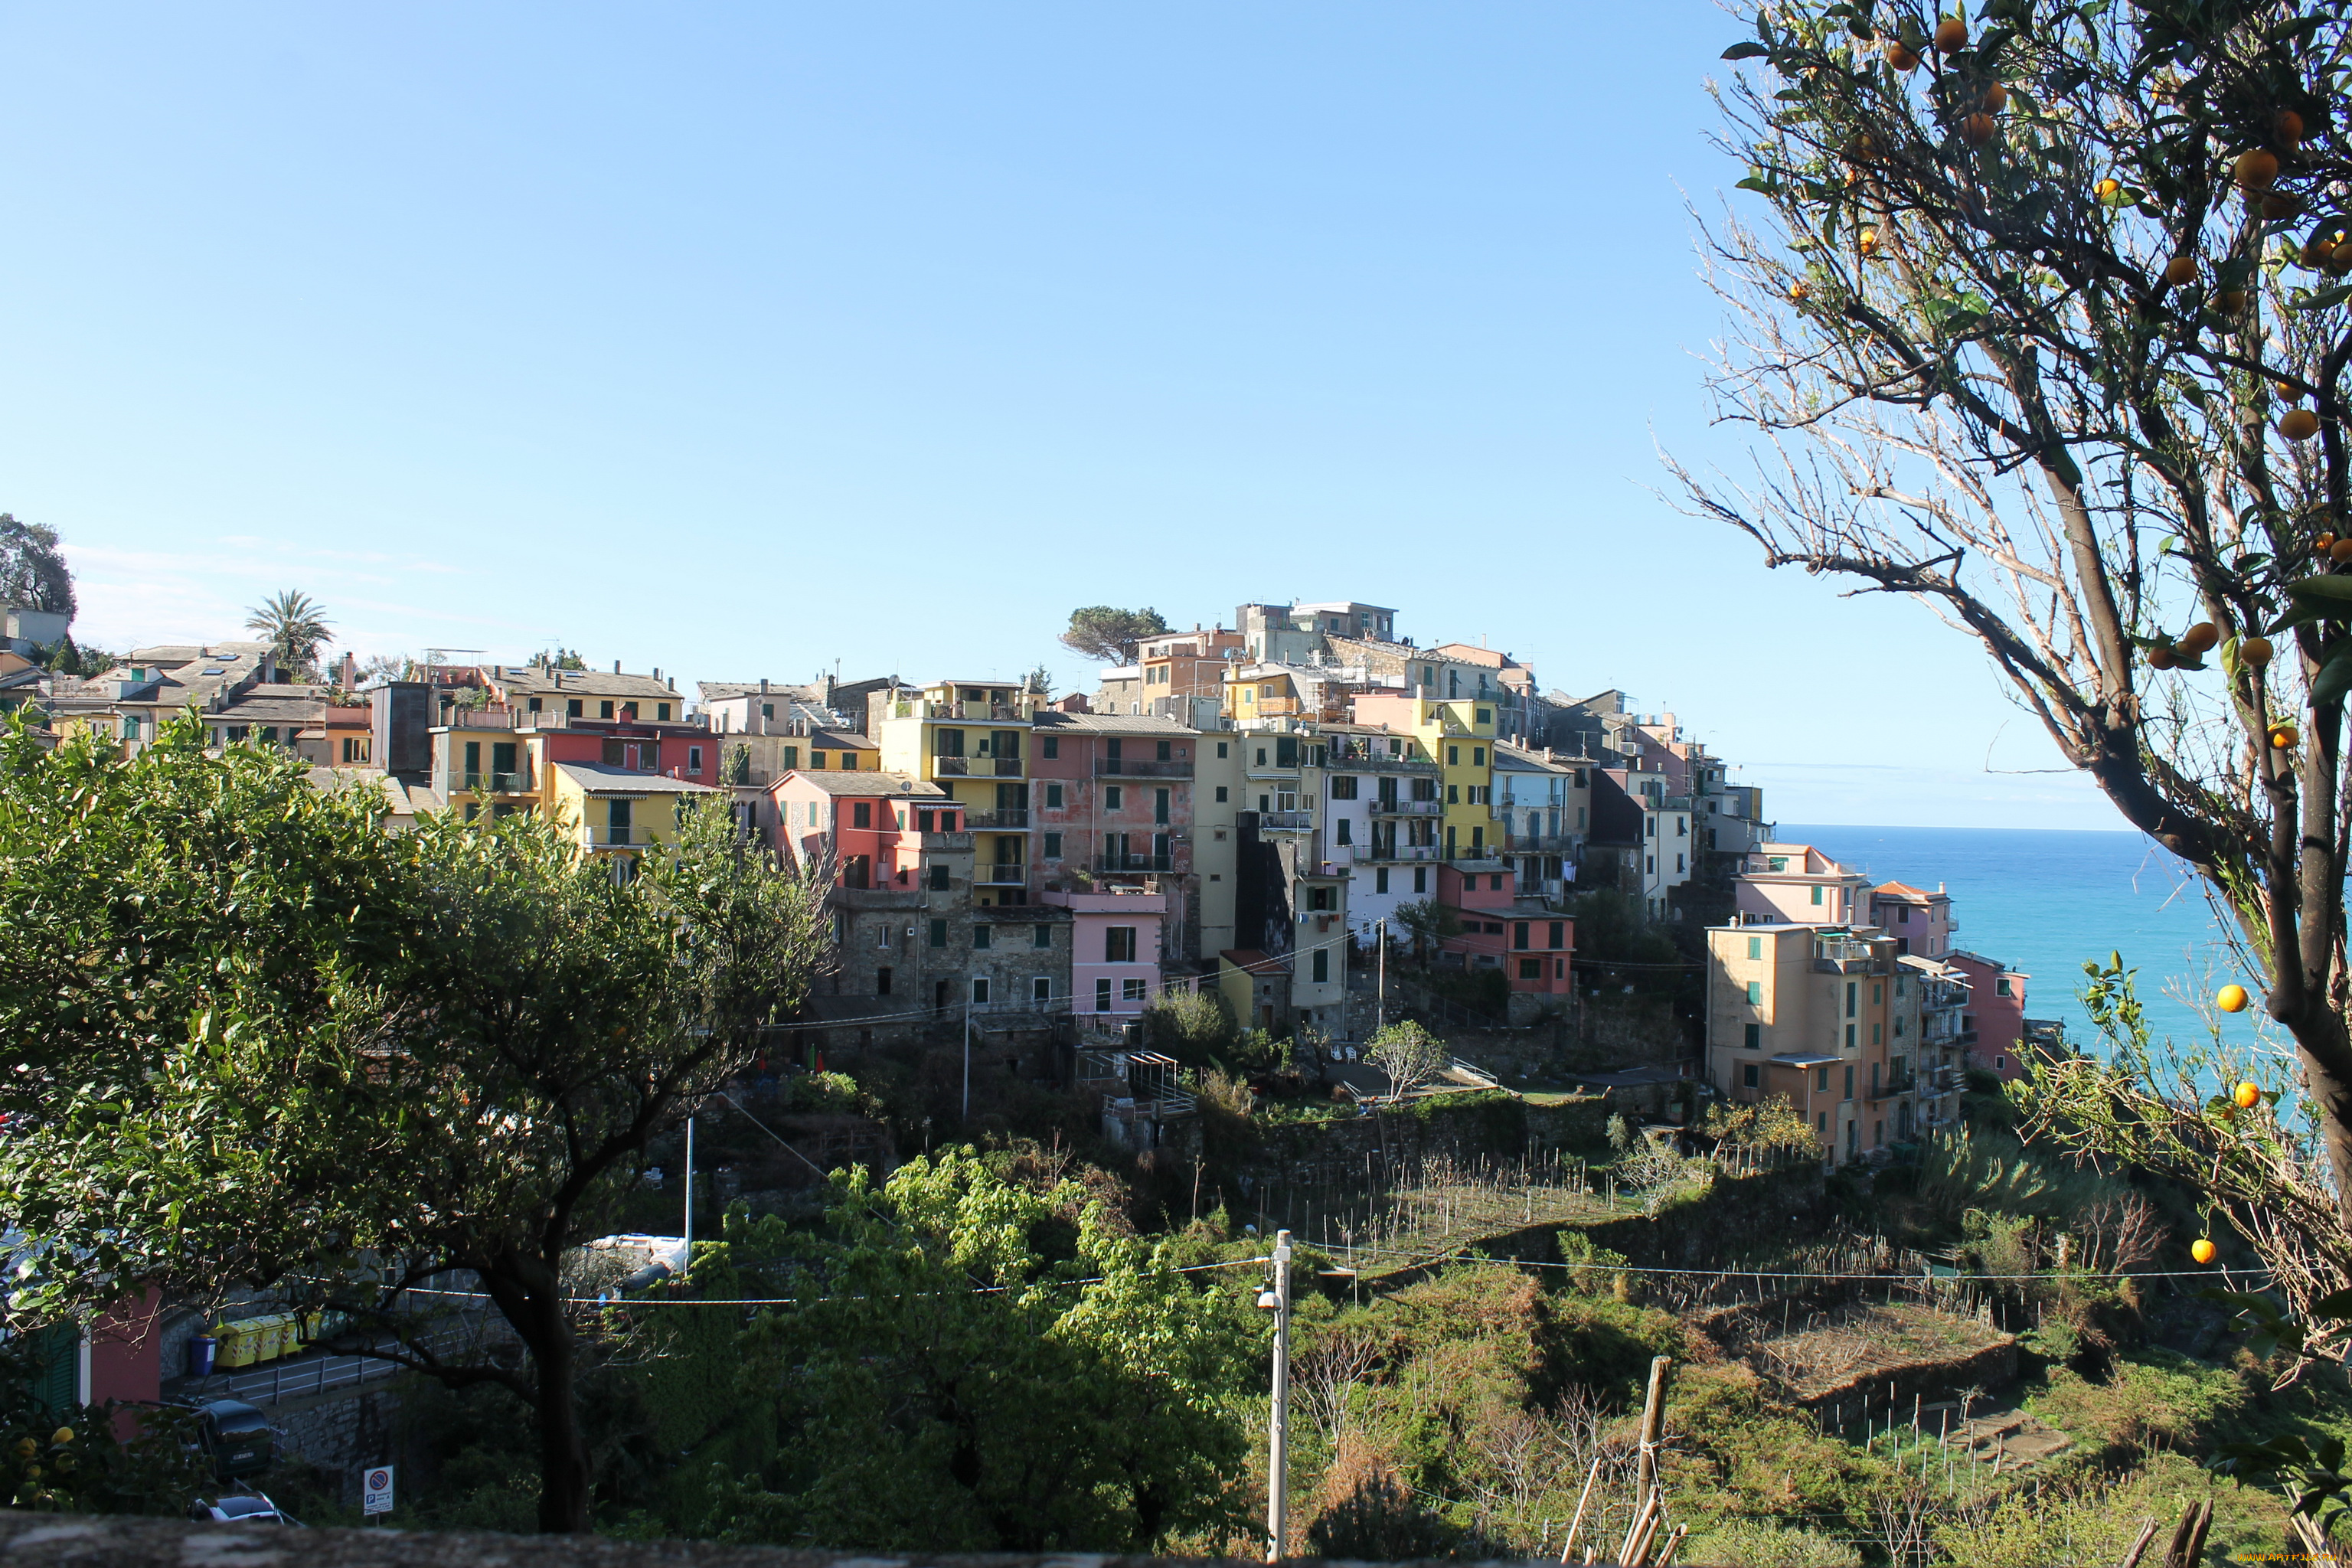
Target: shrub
[[1193, 1027], [1761, 1543]]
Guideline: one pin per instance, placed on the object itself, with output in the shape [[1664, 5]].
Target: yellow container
[[236, 1343], [277, 1336]]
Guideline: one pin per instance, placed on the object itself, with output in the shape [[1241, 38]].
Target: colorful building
[[1530, 949], [1995, 1028], [1114, 950], [617, 810], [972, 738], [1798, 883]]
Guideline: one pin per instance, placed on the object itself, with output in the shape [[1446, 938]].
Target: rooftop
[[839, 781], [598, 779]]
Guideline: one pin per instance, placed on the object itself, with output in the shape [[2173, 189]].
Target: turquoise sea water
[[2045, 900]]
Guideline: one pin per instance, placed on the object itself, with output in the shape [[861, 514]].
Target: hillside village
[[1691, 1092]]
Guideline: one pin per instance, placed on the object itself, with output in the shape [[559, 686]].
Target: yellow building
[[971, 738], [1460, 735], [617, 810]]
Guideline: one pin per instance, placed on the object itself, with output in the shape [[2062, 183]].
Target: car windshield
[[239, 1507]]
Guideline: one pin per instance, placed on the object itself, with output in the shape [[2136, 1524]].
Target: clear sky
[[741, 339]]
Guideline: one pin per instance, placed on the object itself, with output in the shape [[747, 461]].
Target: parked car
[[236, 1437], [249, 1507]]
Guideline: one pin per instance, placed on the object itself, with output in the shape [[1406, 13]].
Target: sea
[[2046, 901]]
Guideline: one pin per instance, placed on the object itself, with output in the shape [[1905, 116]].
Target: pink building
[[1920, 921], [1114, 950], [1531, 950], [1796, 884], [1995, 1023], [874, 826]]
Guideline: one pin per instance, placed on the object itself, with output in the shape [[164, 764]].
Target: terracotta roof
[[1905, 890], [598, 779], [839, 781], [1051, 719]]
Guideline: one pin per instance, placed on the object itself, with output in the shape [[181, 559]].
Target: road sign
[[375, 1489]]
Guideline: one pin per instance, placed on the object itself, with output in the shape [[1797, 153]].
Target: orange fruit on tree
[[2232, 300], [2279, 204], [2162, 657], [1951, 33], [2231, 998], [2247, 1094], [2256, 170], [2323, 541], [2288, 127], [2340, 551], [2203, 1250], [1977, 129], [1996, 97], [2198, 637], [2107, 190], [1800, 291], [1902, 55], [2299, 425], [2254, 652], [2284, 736], [2292, 393], [1867, 242], [2180, 269]]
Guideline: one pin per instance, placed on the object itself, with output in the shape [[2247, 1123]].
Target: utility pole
[[688, 1261], [967, 1051], [1278, 1430], [1381, 1008]]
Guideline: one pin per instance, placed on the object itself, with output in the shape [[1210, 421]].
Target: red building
[[1532, 949]]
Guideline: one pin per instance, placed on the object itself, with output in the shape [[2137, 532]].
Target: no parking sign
[[375, 1489]]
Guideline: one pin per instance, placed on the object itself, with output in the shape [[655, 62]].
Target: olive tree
[[266, 1042], [2035, 321]]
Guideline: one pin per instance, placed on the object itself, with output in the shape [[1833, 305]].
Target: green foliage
[[2152, 1399], [739, 763], [1099, 631], [1196, 1028], [1761, 1543], [1591, 1268], [1765, 1124], [74, 1462], [2096, 1517], [967, 1368], [33, 571], [1426, 922]]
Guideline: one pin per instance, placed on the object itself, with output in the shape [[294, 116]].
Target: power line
[[635, 1301]]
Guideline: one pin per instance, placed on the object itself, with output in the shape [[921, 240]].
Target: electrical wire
[[633, 1302]]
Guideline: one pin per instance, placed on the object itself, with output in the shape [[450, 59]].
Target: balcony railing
[[1000, 874], [1389, 854], [1286, 821], [1130, 863], [950, 767], [1128, 767], [1005, 767], [1543, 843], [1380, 762], [497, 784], [1001, 820], [615, 837], [1407, 807], [929, 843], [1835, 952]]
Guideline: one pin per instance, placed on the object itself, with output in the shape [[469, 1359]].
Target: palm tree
[[294, 626]]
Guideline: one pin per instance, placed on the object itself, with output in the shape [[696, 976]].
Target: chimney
[[672, 683], [616, 666], [763, 685], [658, 672], [350, 672]]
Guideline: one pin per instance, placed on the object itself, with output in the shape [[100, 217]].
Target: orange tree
[[2037, 321]]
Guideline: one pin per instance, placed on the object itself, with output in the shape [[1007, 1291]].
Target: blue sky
[[740, 340]]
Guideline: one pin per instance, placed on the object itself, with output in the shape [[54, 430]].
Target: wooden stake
[[2139, 1546], [1666, 1553], [1567, 1543], [2189, 1536], [1654, 1419]]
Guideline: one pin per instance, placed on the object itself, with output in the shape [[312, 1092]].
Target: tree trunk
[[529, 1295]]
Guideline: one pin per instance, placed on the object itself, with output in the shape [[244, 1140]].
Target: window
[[816, 759], [1494, 882], [1118, 945], [1322, 966], [1160, 805], [1220, 748], [940, 929], [1485, 715], [882, 978], [1878, 993], [1102, 995], [1133, 990], [1559, 934], [1346, 834], [1453, 794], [694, 759], [767, 709], [661, 711], [1477, 756], [1114, 796], [1052, 798], [1752, 1039], [791, 756], [1421, 878], [1849, 989], [1531, 969], [2000, 986], [603, 711], [1041, 936], [1750, 1076], [1052, 847], [1878, 1033], [1520, 931], [1165, 754], [1755, 947], [938, 876], [1221, 794], [1817, 892], [1343, 787], [979, 989], [1381, 879], [1903, 914], [1452, 756], [1849, 1036], [982, 937], [534, 705], [1820, 1077], [1756, 993], [1049, 746], [2000, 1063], [861, 814], [574, 708]]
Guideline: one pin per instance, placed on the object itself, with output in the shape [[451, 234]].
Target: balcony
[[1005, 767], [935, 843], [1544, 843], [497, 784], [1000, 874], [1286, 821], [1119, 864], [1408, 808], [1390, 855], [1893, 1089], [1124, 767], [1475, 859], [613, 839], [1841, 956], [950, 767], [1005, 819], [1380, 762]]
